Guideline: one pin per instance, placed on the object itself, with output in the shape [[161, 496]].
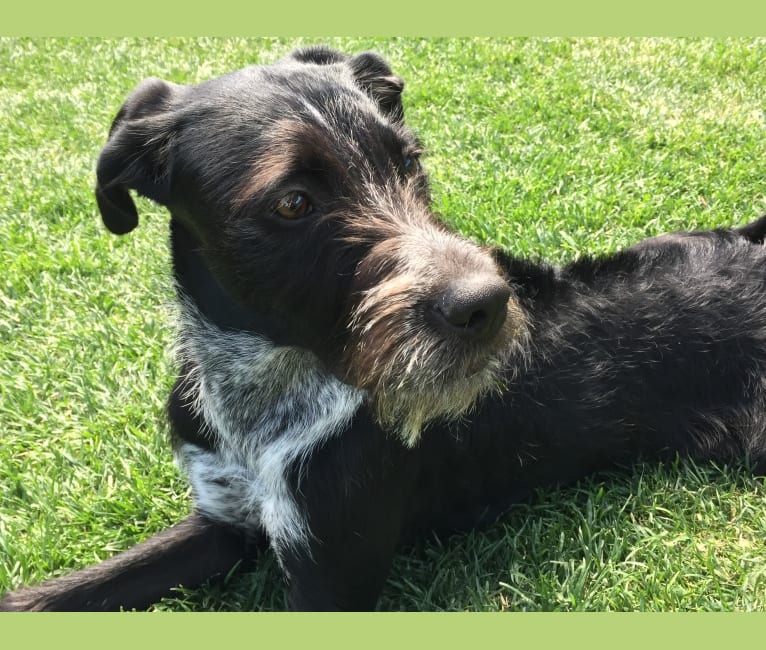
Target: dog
[[354, 375]]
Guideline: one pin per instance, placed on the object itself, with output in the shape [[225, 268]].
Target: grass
[[552, 148]]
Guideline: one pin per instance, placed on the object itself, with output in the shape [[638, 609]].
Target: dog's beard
[[406, 405], [414, 375]]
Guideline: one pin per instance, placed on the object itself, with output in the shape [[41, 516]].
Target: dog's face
[[304, 190]]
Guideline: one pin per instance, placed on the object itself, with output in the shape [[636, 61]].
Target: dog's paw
[[23, 600]]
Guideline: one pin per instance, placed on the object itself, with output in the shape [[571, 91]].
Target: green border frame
[[382, 631], [391, 17], [394, 17]]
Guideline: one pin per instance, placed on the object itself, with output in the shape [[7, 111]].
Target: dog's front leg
[[348, 578], [186, 554], [356, 493]]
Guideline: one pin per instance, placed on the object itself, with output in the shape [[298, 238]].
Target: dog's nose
[[474, 308]]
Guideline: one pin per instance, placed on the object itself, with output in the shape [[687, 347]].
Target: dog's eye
[[293, 206], [410, 164]]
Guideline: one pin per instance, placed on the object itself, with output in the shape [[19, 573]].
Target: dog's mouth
[[416, 373]]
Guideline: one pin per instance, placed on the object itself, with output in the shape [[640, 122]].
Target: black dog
[[354, 375]]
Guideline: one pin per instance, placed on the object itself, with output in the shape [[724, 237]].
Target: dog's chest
[[267, 408]]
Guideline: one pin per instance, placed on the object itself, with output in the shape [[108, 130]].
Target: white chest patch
[[268, 407]]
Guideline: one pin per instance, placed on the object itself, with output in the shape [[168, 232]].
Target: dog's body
[[354, 375]]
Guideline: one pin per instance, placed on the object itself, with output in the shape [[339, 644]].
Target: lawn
[[550, 148]]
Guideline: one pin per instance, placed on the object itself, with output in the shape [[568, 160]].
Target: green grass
[[552, 148]]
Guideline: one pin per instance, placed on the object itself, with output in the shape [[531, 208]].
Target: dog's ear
[[373, 74], [137, 155]]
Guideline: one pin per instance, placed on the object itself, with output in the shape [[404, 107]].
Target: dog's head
[[302, 187]]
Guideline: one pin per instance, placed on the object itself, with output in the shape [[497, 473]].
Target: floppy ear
[[137, 155], [375, 77]]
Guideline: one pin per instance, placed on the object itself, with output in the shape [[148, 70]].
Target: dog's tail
[[755, 231]]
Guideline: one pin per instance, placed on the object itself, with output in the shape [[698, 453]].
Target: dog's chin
[[408, 408], [408, 393]]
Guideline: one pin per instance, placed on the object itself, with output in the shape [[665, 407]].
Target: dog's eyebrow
[[289, 144]]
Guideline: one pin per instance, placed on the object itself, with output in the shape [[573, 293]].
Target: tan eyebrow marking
[[289, 142]]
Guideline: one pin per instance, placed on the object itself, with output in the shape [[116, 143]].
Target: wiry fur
[[357, 376], [266, 408]]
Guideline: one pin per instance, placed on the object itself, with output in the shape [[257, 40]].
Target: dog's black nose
[[474, 308]]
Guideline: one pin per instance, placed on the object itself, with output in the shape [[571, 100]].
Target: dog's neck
[[244, 385], [240, 354], [268, 408], [268, 405]]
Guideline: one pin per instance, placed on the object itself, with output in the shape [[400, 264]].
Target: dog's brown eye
[[410, 164], [293, 206]]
